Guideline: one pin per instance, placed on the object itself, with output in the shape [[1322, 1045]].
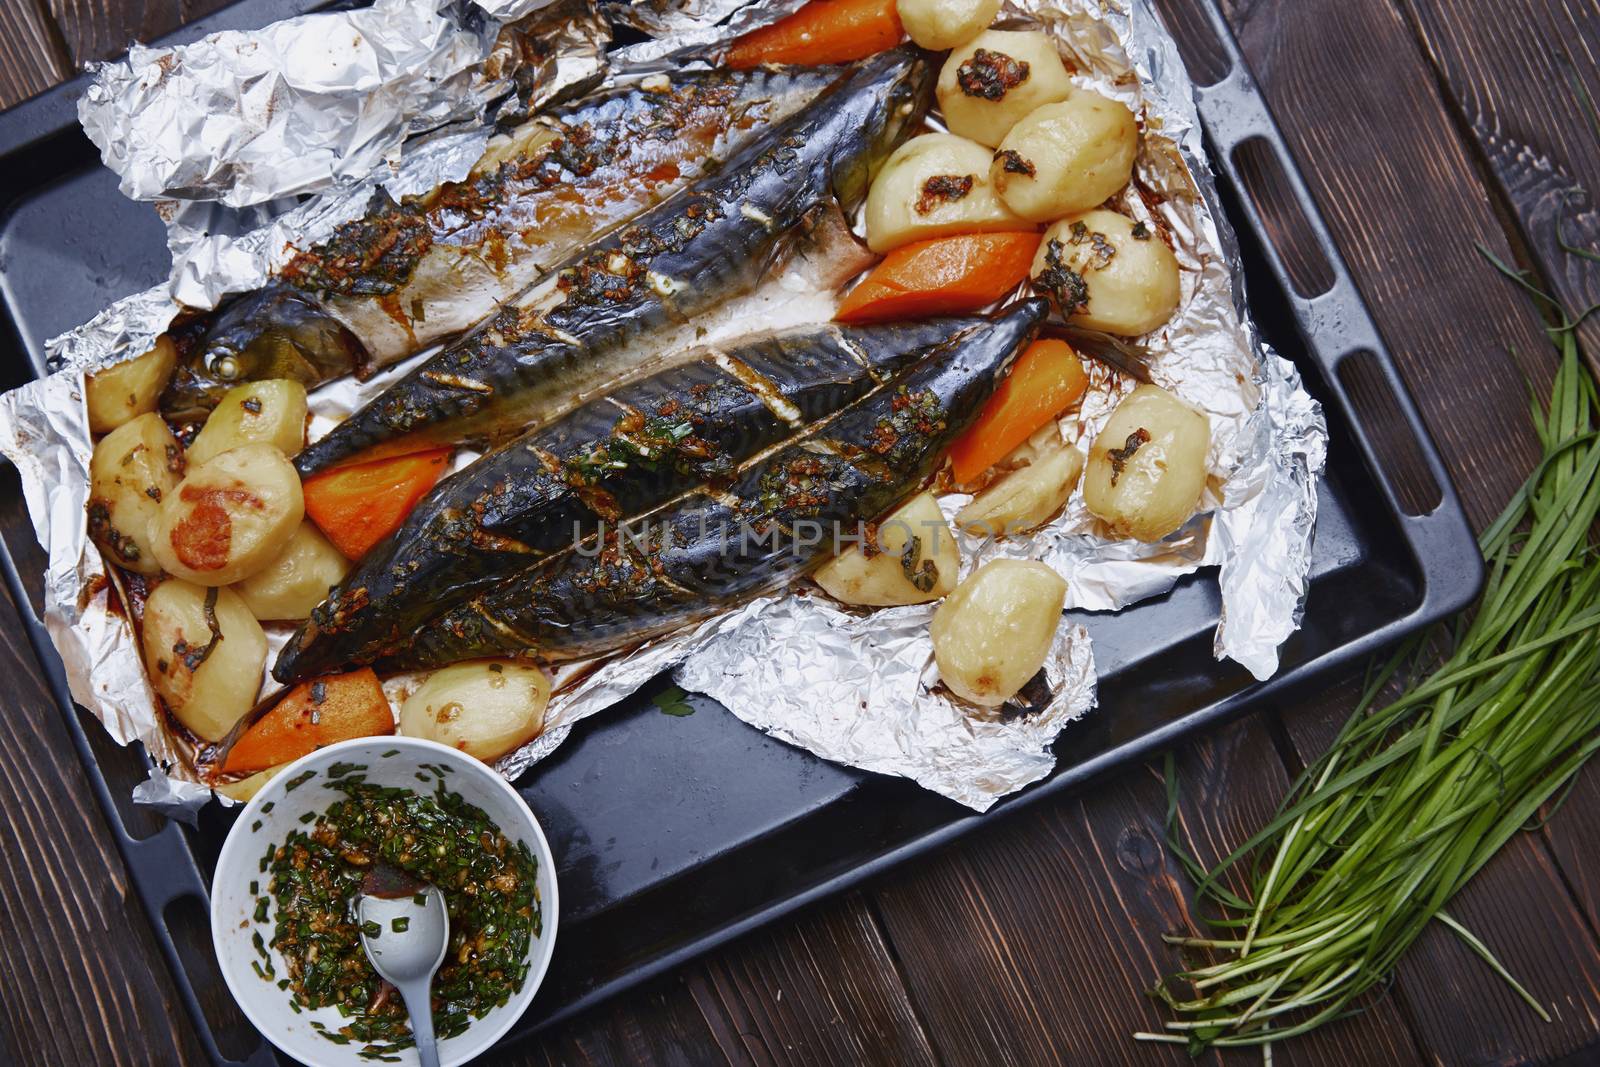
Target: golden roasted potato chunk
[[992, 634], [1106, 273], [485, 708], [1147, 468], [1028, 496], [204, 652], [133, 470], [297, 580], [271, 412], [988, 84], [913, 559], [230, 516], [118, 393], [934, 185], [1066, 157], [940, 24]]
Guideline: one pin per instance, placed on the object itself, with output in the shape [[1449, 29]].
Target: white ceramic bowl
[[276, 810]]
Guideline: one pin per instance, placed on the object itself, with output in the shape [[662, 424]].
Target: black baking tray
[[677, 834]]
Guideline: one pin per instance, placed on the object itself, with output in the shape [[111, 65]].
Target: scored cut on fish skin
[[781, 516], [602, 313], [610, 459], [408, 274]]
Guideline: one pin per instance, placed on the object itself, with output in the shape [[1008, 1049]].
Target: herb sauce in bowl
[[489, 886], [383, 815]]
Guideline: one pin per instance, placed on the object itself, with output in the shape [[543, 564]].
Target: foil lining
[[855, 687], [246, 117]]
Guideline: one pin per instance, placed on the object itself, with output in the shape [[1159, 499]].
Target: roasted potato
[[1105, 273], [913, 559], [230, 516], [1029, 495], [988, 84], [940, 24], [992, 634], [133, 469], [1147, 468], [1065, 158], [271, 412], [933, 185], [118, 393], [245, 789], [204, 651], [297, 580], [485, 708]]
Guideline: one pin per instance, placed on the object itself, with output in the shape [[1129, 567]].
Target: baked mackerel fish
[[610, 308], [611, 458], [408, 274], [779, 516]]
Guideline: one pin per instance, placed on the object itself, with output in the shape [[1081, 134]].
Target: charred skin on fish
[[610, 459], [777, 519], [409, 273], [592, 321]]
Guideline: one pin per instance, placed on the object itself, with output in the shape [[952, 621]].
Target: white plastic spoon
[[408, 957]]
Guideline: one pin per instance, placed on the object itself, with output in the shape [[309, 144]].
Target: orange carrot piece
[[1046, 380], [311, 715], [360, 505], [824, 31], [941, 276]]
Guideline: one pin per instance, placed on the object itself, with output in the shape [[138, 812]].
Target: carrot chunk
[[360, 505], [941, 276], [824, 31], [1046, 380], [310, 716]]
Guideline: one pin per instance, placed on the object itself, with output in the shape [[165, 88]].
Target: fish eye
[[227, 368]]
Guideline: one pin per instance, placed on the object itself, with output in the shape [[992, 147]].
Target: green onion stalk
[[1494, 716]]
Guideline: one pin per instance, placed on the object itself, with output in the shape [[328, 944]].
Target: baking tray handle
[[162, 866], [1338, 328]]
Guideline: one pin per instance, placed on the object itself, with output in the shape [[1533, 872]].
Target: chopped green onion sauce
[[489, 888]]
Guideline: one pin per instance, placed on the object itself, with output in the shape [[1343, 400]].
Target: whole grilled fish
[[614, 457], [779, 517], [408, 274], [595, 319]]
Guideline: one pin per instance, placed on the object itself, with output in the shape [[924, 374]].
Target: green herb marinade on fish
[[592, 321], [410, 273], [610, 459], [775, 520]]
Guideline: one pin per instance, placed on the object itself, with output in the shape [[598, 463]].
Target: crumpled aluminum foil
[[245, 117], [858, 688]]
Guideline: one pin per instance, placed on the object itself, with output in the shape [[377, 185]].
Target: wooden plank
[[819, 989], [1034, 942], [1570, 835], [88, 984], [1037, 942], [31, 57], [1406, 205], [657, 1026], [101, 29], [1518, 82]]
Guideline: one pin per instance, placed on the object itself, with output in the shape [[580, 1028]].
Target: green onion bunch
[[1495, 715]]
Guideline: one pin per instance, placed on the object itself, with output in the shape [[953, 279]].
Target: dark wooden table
[[1424, 127]]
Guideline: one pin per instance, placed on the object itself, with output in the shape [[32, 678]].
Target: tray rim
[[163, 866]]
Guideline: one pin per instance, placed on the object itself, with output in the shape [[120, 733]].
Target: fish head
[[273, 333], [881, 102]]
